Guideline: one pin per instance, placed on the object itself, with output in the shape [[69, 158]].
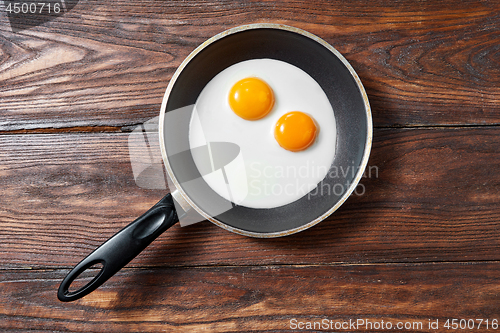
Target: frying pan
[[354, 136]]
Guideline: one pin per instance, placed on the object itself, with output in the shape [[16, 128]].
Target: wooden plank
[[257, 299], [108, 64], [432, 196]]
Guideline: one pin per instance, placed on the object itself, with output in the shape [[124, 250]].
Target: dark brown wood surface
[[257, 298], [420, 243]]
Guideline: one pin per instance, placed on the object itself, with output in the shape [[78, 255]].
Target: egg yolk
[[251, 98], [295, 131]]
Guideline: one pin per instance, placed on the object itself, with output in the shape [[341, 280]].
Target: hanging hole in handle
[[87, 275]]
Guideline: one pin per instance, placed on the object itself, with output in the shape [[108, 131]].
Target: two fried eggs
[[287, 139]]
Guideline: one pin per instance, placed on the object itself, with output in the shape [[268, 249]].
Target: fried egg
[[283, 123]]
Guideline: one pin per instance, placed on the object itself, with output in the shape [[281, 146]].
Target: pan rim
[[367, 146]]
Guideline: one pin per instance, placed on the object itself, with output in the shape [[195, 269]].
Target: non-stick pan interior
[[339, 85]]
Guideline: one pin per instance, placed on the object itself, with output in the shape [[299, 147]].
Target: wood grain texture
[[420, 242], [254, 299], [63, 195], [108, 64]]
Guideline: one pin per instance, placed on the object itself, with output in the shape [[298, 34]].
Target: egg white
[[265, 175]]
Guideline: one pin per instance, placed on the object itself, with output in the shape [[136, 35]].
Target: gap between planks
[[340, 264], [130, 128]]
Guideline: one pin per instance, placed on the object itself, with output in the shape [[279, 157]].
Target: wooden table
[[420, 245]]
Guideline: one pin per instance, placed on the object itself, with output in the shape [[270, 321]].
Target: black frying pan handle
[[120, 249]]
